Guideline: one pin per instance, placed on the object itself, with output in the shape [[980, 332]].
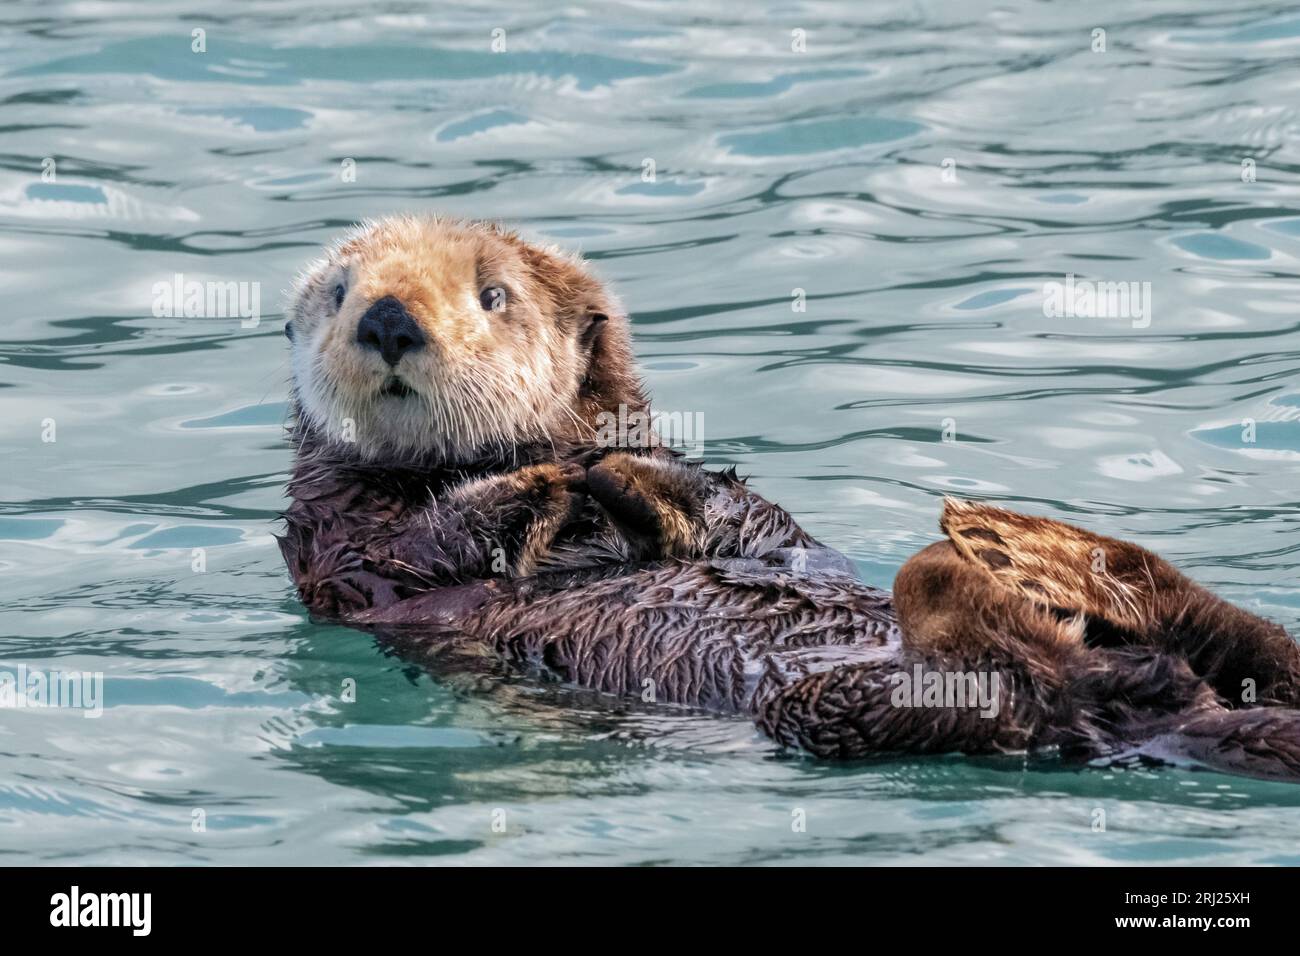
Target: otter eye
[[493, 299], [339, 294]]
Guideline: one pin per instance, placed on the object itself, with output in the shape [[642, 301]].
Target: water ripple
[[834, 225]]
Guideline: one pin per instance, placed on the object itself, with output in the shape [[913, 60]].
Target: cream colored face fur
[[484, 378]]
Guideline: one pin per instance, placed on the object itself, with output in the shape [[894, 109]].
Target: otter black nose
[[389, 329]]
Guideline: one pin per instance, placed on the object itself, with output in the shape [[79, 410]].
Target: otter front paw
[[657, 503], [557, 491], [553, 496]]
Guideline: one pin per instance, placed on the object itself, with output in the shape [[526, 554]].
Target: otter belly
[[710, 634], [817, 659]]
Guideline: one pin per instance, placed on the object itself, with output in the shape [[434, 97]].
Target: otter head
[[427, 339]]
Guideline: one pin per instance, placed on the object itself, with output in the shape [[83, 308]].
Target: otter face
[[418, 338]]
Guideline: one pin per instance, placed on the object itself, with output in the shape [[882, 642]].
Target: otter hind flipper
[[1056, 565], [1130, 590]]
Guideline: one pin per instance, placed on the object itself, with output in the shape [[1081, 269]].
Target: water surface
[[919, 171]]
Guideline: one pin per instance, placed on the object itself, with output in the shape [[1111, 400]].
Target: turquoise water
[[774, 171]]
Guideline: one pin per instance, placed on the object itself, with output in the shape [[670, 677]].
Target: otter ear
[[595, 324], [602, 339], [610, 378]]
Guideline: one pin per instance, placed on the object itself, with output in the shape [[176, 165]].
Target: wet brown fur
[[487, 527]]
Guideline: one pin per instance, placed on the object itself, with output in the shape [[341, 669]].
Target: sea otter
[[451, 492]]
